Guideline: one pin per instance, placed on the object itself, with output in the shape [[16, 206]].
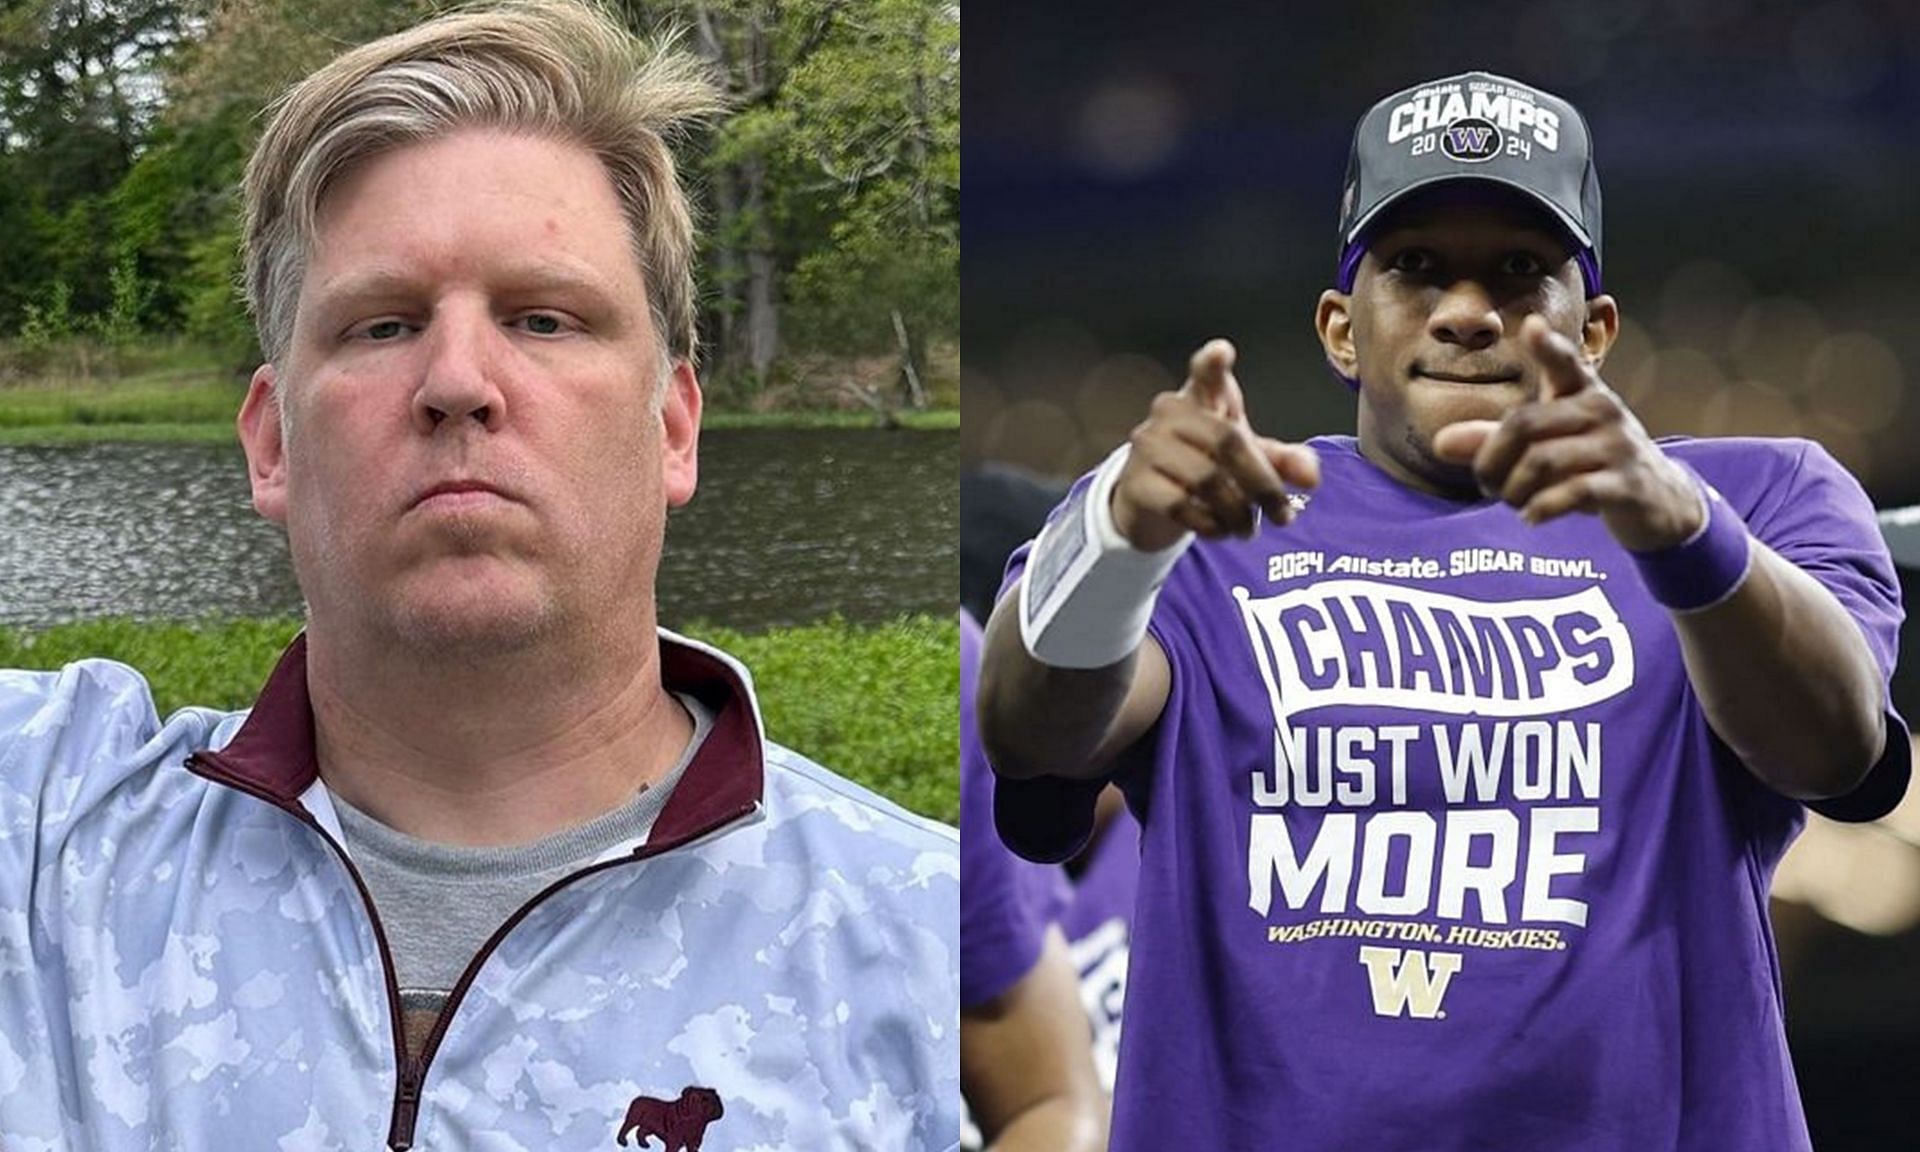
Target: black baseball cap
[[1473, 127]]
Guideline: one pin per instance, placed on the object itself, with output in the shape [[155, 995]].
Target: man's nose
[[1466, 315], [460, 381]]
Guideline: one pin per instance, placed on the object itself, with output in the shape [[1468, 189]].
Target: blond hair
[[559, 69]]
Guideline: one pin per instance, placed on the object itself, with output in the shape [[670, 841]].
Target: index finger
[[1258, 479], [1563, 372], [1210, 380]]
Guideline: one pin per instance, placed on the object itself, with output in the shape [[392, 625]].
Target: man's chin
[[1442, 476], [472, 620]]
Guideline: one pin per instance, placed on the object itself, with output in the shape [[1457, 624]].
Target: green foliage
[[155, 399], [44, 434], [51, 319], [844, 296], [128, 301], [21, 245], [48, 319], [77, 360], [830, 196], [180, 194], [841, 163], [214, 309], [74, 253], [876, 115], [215, 664], [876, 704]]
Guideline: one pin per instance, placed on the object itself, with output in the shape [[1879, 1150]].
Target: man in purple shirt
[[1026, 1056], [1464, 747]]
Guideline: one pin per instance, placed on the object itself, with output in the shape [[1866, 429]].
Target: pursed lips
[[460, 492], [1508, 376]]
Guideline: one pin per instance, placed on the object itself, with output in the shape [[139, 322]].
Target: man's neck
[[503, 750]]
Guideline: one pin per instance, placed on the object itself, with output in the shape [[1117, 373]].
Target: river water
[[788, 526]]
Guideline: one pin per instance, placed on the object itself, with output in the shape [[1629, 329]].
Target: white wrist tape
[[1087, 594]]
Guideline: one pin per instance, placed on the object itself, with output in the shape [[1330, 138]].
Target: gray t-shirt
[[438, 903]]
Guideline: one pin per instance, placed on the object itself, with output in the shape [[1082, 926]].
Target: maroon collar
[[272, 756]]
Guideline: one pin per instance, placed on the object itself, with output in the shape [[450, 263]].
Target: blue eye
[[384, 330], [542, 324]]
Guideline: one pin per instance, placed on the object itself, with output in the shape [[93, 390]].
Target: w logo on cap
[[1470, 140]]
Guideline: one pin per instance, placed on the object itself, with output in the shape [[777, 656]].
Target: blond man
[[494, 861]]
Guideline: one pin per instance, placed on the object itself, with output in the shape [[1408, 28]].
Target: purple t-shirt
[[1440, 852], [1006, 903]]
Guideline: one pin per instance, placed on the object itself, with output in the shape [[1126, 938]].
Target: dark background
[[1139, 178]]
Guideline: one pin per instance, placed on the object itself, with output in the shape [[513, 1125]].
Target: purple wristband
[[1706, 569]]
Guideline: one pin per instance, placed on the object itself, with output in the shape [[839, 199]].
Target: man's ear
[[1600, 330], [259, 428], [680, 433], [1333, 320]]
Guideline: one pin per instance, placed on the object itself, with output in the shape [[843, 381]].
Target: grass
[[945, 419], [203, 413], [141, 401], [89, 362], [51, 434], [156, 388], [876, 704], [880, 705]]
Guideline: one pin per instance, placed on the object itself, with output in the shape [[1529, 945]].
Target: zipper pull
[[406, 1109]]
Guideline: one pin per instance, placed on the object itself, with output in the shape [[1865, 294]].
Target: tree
[[876, 112], [79, 88], [754, 45], [831, 192]]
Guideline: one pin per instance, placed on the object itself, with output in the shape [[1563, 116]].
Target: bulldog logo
[[680, 1124]]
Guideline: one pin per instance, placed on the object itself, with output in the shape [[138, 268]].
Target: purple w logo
[[1469, 140]]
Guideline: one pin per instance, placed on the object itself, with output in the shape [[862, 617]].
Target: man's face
[[476, 457], [1432, 328]]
